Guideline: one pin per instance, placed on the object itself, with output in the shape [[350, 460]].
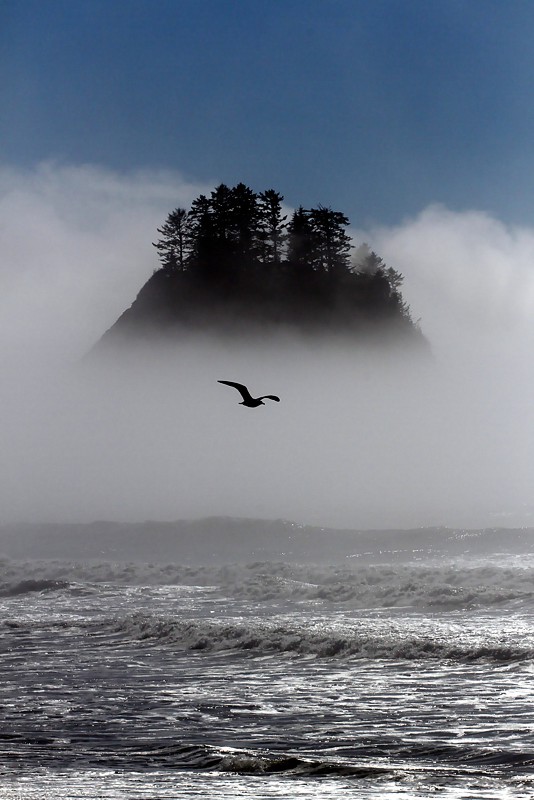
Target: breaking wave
[[177, 755], [229, 759], [260, 637], [32, 585], [448, 586], [358, 761]]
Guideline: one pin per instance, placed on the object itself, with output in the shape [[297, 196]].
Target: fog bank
[[359, 439]]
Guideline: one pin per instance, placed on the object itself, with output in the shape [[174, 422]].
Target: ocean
[[385, 671]]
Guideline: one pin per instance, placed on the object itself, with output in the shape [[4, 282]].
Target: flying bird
[[248, 400]]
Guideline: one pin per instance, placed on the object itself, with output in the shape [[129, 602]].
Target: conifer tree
[[225, 228], [175, 243], [221, 210], [368, 262], [387, 279], [331, 244], [272, 226], [203, 244], [244, 221], [301, 242]]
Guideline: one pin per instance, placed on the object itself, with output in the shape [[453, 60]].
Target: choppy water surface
[[266, 680]]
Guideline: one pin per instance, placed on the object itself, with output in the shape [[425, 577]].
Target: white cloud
[[465, 272], [75, 247]]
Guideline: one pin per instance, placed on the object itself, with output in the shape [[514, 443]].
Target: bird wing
[[245, 394], [271, 397]]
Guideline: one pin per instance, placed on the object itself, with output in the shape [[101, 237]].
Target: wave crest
[[260, 637], [437, 586], [32, 585]]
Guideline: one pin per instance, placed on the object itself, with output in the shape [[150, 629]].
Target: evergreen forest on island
[[235, 262]]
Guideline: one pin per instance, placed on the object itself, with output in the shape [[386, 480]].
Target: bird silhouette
[[248, 400]]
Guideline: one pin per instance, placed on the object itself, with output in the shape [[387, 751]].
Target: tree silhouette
[[236, 250], [174, 246], [331, 244], [272, 227], [244, 217], [301, 241], [204, 244]]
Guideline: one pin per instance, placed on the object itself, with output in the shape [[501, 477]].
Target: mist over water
[[390, 664], [360, 439]]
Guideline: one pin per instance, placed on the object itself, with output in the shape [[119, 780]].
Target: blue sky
[[375, 107]]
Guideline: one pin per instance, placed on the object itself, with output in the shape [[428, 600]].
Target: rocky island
[[234, 264]]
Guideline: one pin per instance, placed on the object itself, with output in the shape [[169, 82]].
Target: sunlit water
[[266, 681]]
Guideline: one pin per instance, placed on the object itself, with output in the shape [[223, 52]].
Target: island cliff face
[[233, 264]]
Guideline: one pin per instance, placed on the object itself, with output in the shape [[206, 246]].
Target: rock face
[[172, 304]]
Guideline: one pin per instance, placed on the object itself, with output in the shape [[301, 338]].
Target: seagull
[[248, 400]]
